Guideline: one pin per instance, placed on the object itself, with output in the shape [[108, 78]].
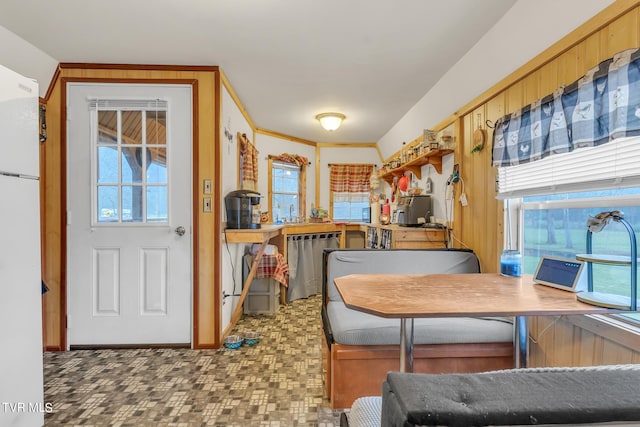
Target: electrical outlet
[[206, 205]]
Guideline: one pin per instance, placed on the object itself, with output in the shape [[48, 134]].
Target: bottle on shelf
[[386, 208]]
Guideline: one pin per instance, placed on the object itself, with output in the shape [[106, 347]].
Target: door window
[[130, 168]]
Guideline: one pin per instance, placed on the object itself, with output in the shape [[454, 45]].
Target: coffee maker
[[414, 211], [243, 209]]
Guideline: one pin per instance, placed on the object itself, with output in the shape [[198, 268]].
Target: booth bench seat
[[359, 348], [597, 395]]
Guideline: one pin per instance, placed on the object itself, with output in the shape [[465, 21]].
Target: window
[[555, 225], [556, 196], [349, 206], [130, 167], [286, 182], [349, 190]]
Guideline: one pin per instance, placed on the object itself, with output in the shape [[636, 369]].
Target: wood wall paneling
[[52, 229], [547, 79], [589, 54], [622, 33], [480, 199], [562, 344], [496, 108], [531, 89], [580, 341], [568, 67], [515, 96]]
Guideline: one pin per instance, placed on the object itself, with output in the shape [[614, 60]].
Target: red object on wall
[[403, 183]]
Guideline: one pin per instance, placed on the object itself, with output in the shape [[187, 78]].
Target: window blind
[[128, 104], [286, 166], [612, 165]]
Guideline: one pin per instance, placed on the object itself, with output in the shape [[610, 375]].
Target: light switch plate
[[206, 186], [206, 205]]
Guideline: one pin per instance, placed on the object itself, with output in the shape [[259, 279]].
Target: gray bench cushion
[[396, 261], [353, 327], [513, 397]]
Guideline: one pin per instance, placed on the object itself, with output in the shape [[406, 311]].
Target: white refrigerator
[[21, 377]]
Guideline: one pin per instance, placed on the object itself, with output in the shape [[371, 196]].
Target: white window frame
[[277, 164], [119, 105]]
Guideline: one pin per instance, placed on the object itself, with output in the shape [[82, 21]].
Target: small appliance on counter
[[243, 209], [414, 211]]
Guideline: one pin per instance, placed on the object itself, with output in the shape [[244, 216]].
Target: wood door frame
[[194, 192]]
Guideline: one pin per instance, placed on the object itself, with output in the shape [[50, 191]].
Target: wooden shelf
[[605, 259], [433, 157]]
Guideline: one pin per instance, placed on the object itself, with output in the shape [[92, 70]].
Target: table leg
[[406, 345], [521, 342]]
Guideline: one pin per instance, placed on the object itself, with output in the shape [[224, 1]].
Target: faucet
[[291, 209]]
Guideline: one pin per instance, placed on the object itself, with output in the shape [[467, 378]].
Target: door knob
[[180, 231]]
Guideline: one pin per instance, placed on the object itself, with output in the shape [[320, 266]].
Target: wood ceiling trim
[[150, 67]]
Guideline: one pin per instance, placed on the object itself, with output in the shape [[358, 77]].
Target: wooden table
[[407, 296]]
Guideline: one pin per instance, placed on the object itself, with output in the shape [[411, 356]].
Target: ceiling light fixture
[[330, 121]]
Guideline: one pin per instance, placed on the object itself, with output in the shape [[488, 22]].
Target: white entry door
[[129, 214]]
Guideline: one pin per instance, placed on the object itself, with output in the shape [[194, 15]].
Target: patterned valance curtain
[[249, 166], [292, 158], [352, 178], [601, 106]]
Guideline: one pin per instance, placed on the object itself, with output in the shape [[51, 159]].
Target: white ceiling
[[287, 60]]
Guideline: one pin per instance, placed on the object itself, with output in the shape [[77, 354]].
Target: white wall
[[24, 58], [231, 254], [526, 30]]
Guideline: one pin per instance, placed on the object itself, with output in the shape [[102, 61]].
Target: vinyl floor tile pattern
[[277, 382]]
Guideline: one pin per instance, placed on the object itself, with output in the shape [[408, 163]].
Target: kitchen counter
[[252, 235], [268, 231], [409, 237], [279, 232], [402, 237]]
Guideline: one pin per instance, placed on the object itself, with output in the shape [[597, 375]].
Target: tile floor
[[277, 382]]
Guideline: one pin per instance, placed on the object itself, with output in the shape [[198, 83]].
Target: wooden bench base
[[352, 371]]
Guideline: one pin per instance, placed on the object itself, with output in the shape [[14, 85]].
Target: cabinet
[[398, 237], [433, 157]]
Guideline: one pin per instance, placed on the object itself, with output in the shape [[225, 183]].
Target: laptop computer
[[561, 273]]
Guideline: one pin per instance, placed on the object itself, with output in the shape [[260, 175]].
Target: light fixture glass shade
[[330, 121]]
